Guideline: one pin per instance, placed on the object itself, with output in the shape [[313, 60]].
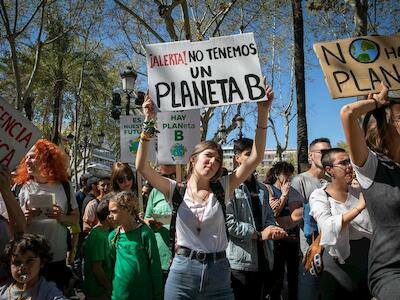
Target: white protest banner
[[130, 129], [17, 135], [221, 71], [356, 66], [179, 133]]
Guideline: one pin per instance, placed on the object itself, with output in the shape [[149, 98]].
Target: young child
[[26, 257], [98, 263], [137, 272]]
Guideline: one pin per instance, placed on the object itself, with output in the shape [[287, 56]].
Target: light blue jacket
[[242, 249]]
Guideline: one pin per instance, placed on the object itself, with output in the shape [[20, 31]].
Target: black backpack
[[177, 198]]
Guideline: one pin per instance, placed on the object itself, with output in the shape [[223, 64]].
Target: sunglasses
[[124, 178]]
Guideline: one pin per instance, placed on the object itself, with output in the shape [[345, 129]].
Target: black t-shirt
[[256, 208]]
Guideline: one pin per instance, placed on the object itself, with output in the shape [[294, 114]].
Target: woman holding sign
[[200, 268], [48, 201], [375, 154]]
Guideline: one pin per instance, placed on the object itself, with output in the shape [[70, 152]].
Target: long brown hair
[[120, 169], [200, 147], [376, 125]]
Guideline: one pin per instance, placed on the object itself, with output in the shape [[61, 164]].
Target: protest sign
[[221, 71], [130, 129], [179, 133], [356, 66], [17, 135]]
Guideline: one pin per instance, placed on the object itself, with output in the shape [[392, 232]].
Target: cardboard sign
[[356, 66], [17, 135], [130, 129], [221, 71], [179, 133]]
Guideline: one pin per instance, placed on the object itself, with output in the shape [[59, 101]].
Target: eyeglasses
[[344, 163], [123, 178]]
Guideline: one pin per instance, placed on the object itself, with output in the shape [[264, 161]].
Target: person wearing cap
[[158, 206], [375, 155]]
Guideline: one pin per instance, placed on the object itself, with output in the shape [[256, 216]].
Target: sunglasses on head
[[123, 178]]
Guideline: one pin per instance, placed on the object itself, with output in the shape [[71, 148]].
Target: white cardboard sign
[[17, 135], [130, 129], [186, 75], [179, 133]]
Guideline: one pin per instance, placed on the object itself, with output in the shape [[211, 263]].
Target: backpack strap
[[67, 190], [218, 190], [177, 199]]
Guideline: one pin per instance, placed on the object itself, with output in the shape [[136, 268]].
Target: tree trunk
[[360, 17], [302, 139]]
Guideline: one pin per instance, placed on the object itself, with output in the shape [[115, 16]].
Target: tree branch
[[186, 19], [31, 18], [37, 57], [140, 20], [4, 17], [15, 15]]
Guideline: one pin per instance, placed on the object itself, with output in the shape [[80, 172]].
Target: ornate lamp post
[[239, 123], [222, 133], [86, 127], [128, 77]]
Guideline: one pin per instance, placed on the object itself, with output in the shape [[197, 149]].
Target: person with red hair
[[44, 171]]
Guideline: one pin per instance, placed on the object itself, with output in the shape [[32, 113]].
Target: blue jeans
[[309, 285], [194, 280]]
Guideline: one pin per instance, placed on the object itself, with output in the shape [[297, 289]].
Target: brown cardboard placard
[[356, 66]]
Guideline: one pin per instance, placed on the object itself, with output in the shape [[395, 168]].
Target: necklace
[[196, 213]]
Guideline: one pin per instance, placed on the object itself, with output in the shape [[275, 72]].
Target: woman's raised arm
[[257, 152], [142, 163], [350, 113]]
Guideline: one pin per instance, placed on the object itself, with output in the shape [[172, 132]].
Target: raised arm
[[15, 214], [142, 163], [257, 152], [350, 113]]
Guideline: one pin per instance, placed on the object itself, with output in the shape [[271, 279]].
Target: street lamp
[[239, 123], [86, 127], [128, 77], [222, 133]]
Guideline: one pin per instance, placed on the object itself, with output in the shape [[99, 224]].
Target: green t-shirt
[[137, 271], [96, 249], [158, 205]]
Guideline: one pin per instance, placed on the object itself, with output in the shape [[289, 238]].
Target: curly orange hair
[[52, 161]]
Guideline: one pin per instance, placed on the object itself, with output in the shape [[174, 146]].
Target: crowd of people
[[215, 234]]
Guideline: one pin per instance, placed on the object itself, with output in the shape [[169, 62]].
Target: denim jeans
[[194, 280], [309, 285]]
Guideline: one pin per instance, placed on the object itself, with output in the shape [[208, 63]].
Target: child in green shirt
[[98, 262], [137, 271]]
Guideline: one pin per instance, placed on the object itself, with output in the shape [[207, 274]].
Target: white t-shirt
[[54, 232], [208, 217], [328, 213]]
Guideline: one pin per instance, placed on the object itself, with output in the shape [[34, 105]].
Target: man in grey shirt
[[302, 186]]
